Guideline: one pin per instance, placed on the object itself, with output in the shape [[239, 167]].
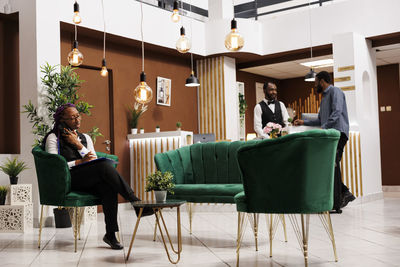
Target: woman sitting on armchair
[[100, 179]]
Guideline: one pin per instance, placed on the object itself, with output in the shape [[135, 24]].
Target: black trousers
[[339, 187], [103, 180]]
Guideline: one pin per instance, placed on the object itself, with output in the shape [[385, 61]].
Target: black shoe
[[346, 198], [114, 244], [146, 211]]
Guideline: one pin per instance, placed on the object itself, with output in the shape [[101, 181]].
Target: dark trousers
[[104, 181], [339, 187]]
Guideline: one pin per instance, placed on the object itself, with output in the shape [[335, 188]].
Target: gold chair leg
[[305, 229], [40, 225], [76, 227], [253, 219], [155, 230], [190, 217], [282, 217], [327, 223], [272, 225], [81, 211], [118, 237], [240, 234]]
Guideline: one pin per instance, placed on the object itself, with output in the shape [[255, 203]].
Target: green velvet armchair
[[290, 175], [54, 181]]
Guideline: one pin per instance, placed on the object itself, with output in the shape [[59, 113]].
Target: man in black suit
[[269, 110]]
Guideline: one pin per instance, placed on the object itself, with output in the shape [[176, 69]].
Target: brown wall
[[9, 85], [249, 81], [389, 124], [293, 89], [125, 62]]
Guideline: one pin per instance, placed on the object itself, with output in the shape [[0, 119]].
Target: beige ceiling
[[292, 69]]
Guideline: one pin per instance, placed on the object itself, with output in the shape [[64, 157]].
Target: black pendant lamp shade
[[310, 76], [192, 81]]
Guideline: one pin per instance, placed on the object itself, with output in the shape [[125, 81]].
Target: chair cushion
[[81, 199], [206, 193]]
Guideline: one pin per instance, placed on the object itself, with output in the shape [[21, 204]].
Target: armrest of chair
[[53, 176], [109, 156]]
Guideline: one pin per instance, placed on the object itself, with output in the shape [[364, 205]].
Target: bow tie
[[271, 102]]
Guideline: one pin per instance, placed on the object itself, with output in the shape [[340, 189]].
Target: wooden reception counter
[[142, 149]]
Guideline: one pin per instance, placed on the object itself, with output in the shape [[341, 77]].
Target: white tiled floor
[[366, 235]]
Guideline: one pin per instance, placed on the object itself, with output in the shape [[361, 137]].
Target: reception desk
[[142, 149]]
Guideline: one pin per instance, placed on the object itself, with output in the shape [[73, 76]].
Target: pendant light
[[142, 93], [310, 76], [77, 17], [75, 57], [192, 81], [175, 17], [183, 44], [234, 41], [104, 71]]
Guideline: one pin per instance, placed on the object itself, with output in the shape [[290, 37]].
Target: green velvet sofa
[[203, 172]]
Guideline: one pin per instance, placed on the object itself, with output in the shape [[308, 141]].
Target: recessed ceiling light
[[319, 63]]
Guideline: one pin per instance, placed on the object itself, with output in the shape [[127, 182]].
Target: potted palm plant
[[12, 168], [160, 183], [3, 194], [134, 114]]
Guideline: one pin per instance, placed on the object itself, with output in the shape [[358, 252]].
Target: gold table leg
[[158, 214], [134, 233]]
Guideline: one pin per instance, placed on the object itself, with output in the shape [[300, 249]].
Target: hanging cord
[[233, 4], [141, 33], [191, 35], [76, 34], [309, 20], [104, 32]]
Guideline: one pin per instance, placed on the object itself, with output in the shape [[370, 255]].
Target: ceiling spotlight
[[310, 76]]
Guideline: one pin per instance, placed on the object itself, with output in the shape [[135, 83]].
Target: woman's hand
[[88, 157], [298, 122], [72, 138]]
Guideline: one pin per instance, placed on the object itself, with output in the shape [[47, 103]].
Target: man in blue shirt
[[333, 115]]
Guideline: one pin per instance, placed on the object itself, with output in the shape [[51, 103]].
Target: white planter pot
[[134, 131], [161, 196], [157, 130], [141, 130]]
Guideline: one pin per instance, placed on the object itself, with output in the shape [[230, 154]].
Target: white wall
[[231, 100], [350, 49]]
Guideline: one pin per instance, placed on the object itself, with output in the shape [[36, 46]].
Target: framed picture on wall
[[163, 91]]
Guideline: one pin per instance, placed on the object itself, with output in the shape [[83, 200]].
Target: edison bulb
[[143, 93], [183, 44], [175, 17], [104, 71], [77, 18], [75, 57], [234, 41]]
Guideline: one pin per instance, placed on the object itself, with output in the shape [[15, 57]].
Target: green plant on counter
[[135, 113], [3, 190], [157, 126], [178, 124], [159, 181], [59, 87], [13, 167]]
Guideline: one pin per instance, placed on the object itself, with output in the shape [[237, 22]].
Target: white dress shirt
[[258, 119], [52, 147]]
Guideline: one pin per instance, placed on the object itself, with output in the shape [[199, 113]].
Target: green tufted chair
[[54, 182], [290, 175]]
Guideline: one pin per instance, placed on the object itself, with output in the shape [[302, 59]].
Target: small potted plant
[[141, 130], [12, 168], [3, 194], [160, 183], [134, 114], [157, 129], [178, 126]]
